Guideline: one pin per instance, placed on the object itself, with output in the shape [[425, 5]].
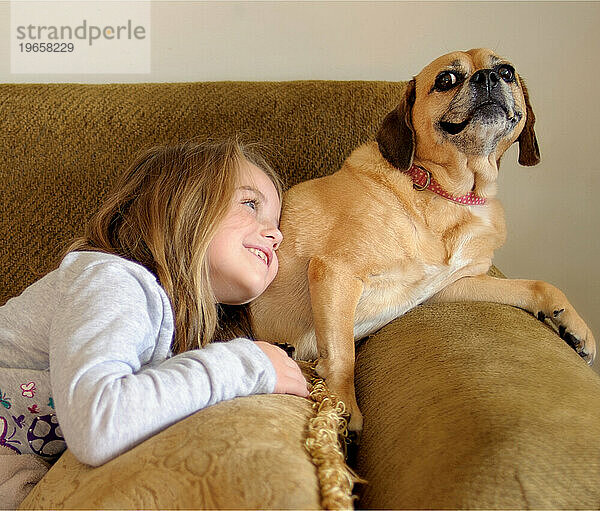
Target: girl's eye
[[251, 203]]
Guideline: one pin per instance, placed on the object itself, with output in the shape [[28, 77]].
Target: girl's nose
[[274, 234]]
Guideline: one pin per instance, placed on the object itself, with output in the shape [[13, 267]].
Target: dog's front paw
[[586, 348], [355, 424], [571, 328]]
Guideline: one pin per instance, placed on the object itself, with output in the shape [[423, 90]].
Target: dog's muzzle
[[489, 102]]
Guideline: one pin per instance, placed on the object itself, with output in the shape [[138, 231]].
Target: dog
[[409, 218]]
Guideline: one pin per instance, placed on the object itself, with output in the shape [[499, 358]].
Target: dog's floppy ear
[[396, 137], [529, 151]]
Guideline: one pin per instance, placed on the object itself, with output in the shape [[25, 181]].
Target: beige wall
[[552, 211]]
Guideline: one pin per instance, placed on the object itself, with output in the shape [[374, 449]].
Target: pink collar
[[423, 180]]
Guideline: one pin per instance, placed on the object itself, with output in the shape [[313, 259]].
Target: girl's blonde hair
[[162, 213]]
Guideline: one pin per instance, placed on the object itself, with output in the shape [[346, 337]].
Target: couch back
[[61, 145]]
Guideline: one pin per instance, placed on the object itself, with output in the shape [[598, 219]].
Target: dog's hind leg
[[334, 294], [537, 297]]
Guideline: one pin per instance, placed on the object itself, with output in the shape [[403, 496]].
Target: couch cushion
[[476, 406], [247, 453]]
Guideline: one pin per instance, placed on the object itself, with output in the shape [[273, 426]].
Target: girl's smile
[[264, 254]]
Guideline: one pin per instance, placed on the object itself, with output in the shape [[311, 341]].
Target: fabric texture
[[28, 423], [476, 406], [19, 473], [247, 453], [104, 326]]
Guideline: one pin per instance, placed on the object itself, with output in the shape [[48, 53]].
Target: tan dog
[[409, 218]]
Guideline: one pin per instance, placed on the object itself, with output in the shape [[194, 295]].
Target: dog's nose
[[486, 78]]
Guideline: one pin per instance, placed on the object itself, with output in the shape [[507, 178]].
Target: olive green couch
[[466, 406]]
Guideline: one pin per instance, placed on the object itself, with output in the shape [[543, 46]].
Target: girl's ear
[[396, 135], [529, 151]]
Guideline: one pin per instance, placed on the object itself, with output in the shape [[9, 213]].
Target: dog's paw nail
[[288, 348], [541, 316], [354, 437], [351, 447], [561, 331], [585, 355], [558, 312], [572, 341]]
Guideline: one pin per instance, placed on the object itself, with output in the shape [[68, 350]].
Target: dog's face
[[465, 103], [472, 100]]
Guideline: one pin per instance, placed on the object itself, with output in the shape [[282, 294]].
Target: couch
[[466, 405]]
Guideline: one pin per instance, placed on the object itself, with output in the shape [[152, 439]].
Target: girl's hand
[[289, 375]]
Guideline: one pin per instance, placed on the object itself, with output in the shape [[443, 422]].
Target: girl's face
[[241, 257]]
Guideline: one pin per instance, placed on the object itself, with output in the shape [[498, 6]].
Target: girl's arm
[[112, 385]]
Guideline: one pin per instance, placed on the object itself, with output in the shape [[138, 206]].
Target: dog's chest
[[386, 297], [408, 283]]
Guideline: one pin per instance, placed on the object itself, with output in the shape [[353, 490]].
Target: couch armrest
[[476, 405], [247, 453]]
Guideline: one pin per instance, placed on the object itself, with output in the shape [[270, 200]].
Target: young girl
[[115, 344]]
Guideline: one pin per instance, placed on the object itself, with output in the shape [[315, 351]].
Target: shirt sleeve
[[107, 397]]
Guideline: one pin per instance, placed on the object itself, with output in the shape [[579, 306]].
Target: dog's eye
[[445, 81], [507, 73]]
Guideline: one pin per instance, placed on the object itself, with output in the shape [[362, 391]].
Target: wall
[[552, 213]]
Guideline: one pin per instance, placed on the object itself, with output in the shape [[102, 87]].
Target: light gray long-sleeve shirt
[[85, 356]]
